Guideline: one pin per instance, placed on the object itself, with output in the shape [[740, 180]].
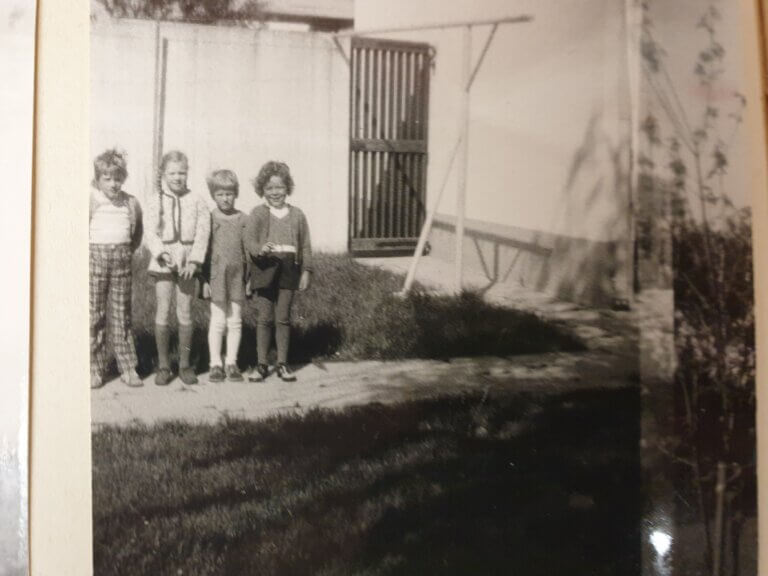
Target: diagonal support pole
[[461, 192], [340, 48], [427, 227], [482, 56]]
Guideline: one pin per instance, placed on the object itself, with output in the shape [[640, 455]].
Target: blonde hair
[[111, 161], [168, 157], [223, 180], [173, 156]]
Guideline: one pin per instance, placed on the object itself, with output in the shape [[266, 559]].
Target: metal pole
[[427, 226], [437, 26], [461, 191], [161, 52]]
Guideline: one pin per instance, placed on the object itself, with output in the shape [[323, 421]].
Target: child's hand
[[189, 270], [166, 260], [305, 280], [206, 291], [267, 248]]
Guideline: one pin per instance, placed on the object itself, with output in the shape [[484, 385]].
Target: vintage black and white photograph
[[17, 68], [427, 287]]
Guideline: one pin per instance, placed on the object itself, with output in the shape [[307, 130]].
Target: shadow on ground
[[351, 313], [524, 484]]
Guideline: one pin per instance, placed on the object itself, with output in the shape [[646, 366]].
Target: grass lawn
[[350, 313], [524, 484]]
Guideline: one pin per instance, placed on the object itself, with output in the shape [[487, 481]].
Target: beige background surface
[[60, 466], [17, 42], [60, 520]]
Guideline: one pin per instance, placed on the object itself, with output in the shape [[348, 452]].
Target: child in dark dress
[[277, 241], [226, 276]]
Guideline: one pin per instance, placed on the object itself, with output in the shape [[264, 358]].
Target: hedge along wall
[[235, 98]]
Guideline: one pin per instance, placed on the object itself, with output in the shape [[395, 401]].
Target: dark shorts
[[276, 271]]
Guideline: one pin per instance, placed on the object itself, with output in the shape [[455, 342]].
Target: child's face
[[225, 199], [275, 192], [175, 176], [110, 184]]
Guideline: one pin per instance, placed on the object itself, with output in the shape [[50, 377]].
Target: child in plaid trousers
[[115, 230]]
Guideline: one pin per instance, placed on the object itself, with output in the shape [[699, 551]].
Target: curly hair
[[223, 180], [270, 169], [112, 162]]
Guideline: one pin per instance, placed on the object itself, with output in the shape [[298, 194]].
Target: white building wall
[[549, 142], [235, 98], [549, 115]]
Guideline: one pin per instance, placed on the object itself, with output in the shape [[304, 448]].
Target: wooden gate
[[388, 144]]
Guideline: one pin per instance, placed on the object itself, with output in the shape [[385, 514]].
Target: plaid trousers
[[110, 282]]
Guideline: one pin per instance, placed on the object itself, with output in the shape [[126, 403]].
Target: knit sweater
[[257, 233], [179, 225]]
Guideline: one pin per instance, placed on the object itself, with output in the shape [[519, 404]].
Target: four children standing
[[267, 253]]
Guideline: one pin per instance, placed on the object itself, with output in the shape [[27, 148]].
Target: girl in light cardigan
[[179, 224]]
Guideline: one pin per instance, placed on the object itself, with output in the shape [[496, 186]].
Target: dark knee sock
[[283, 337], [162, 341], [185, 345], [263, 342]]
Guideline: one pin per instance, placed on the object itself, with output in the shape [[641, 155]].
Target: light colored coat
[[177, 225]]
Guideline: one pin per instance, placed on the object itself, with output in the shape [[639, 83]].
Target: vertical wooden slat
[[354, 107], [360, 87], [387, 191], [426, 74], [398, 64], [411, 171], [409, 195], [426, 71], [390, 94], [395, 195], [375, 134], [364, 53], [414, 192], [387, 56], [423, 191], [352, 94], [363, 193], [360, 195], [409, 96], [376, 192], [377, 196], [419, 196], [370, 192], [374, 96], [420, 96], [383, 95], [353, 193], [402, 183], [416, 99], [357, 132], [402, 194], [382, 208]]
